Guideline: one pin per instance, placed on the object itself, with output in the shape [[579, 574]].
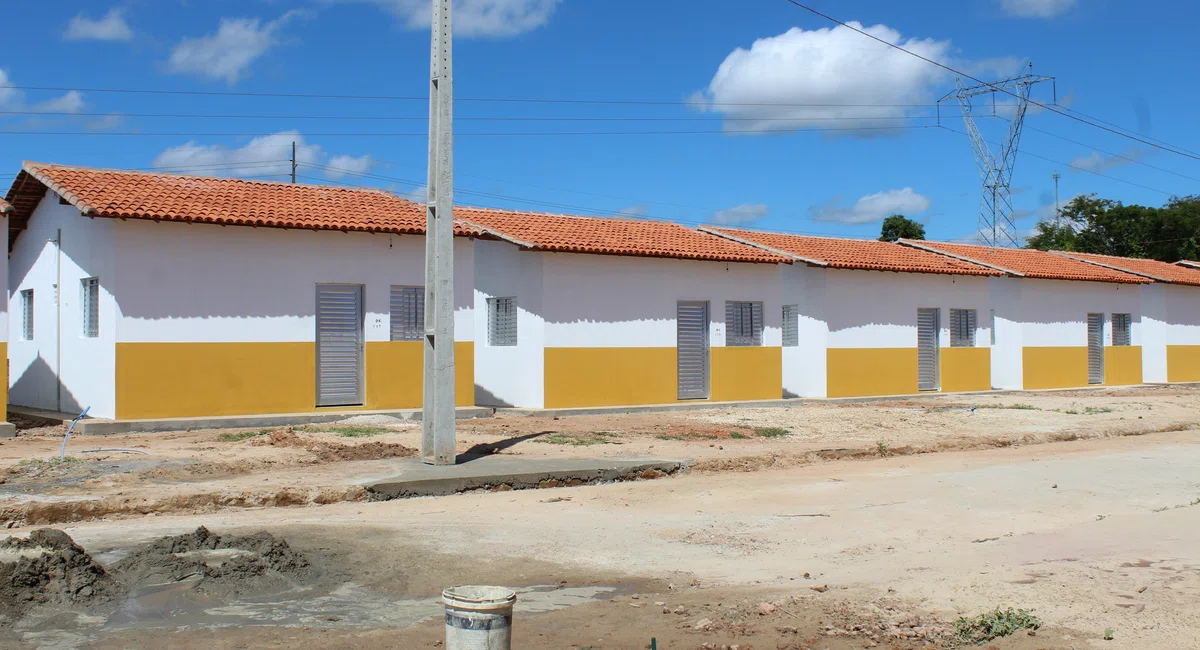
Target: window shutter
[[743, 323], [1122, 329], [962, 328], [27, 314], [90, 307], [407, 313], [791, 326], [502, 326]]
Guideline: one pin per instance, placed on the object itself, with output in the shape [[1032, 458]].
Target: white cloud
[[345, 165], [229, 52], [417, 195], [742, 214], [638, 211], [875, 207], [14, 99], [832, 78], [112, 27], [495, 18], [1037, 8], [266, 156], [1098, 162]]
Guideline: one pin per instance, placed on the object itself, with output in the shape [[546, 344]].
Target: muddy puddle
[[205, 581]]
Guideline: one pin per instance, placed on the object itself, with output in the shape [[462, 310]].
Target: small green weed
[[771, 432], [883, 448], [688, 436], [357, 432], [581, 439], [995, 624], [739, 436], [1108, 634], [239, 436], [1009, 407], [1096, 410]]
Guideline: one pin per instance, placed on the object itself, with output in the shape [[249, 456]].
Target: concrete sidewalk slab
[[499, 472], [102, 427]]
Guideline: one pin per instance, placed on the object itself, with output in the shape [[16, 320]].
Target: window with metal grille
[[1122, 333], [27, 315], [962, 328], [502, 322], [408, 313], [89, 306], [743, 323], [791, 326]]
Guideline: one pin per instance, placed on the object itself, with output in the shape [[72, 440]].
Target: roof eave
[[746, 242], [1188, 264], [1110, 267], [69, 196], [962, 258]]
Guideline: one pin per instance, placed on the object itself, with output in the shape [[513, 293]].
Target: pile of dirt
[[223, 562], [333, 452], [48, 568]]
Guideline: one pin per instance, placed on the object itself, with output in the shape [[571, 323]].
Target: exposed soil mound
[[236, 563], [49, 568], [333, 452]]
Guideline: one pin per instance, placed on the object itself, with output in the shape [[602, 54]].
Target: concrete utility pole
[[437, 426]]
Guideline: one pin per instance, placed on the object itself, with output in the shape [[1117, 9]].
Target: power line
[[514, 100], [492, 134], [1076, 167], [1114, 155], [865, 118], [995, 88]]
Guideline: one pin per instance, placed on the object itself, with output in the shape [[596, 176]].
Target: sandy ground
[[1091, 534], [204, 471]]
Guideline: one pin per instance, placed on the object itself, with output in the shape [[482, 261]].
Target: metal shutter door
[[692, 344], [339, 345], [1095, 348], [927, 349]]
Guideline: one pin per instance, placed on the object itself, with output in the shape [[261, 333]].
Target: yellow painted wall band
[[1055, 367], [1183, 363], [579, 377], [1123, 365], [966, 369], [862, 372], [746, 373]]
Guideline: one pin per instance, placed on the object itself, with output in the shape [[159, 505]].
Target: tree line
[[1088, 224]]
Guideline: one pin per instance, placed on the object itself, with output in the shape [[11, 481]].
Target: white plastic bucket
[[479, 618]]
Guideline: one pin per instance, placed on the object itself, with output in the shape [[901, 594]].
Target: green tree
[[899, 226], [1092, 225]]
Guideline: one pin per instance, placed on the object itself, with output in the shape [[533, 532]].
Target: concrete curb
[[99, 427], [430, 481]]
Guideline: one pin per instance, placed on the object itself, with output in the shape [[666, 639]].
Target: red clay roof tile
[[862, 254], [230, 201], [1154, 269], [612, 236], [1031, 263]]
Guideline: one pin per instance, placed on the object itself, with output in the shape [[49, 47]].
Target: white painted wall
[[1008, 361], [204, 283], [1182, 314], [509, 375], [804, 366], [876, 309], [1055, 311], [1155, 332], [87, 367]]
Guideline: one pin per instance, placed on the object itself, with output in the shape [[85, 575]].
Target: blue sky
[[678, 66]]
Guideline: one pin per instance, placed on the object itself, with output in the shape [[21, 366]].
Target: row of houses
[[149, 295]]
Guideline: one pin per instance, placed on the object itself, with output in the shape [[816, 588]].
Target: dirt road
[[1093, 535], [192, 472]]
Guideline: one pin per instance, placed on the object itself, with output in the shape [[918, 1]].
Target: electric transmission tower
[[996, 227]]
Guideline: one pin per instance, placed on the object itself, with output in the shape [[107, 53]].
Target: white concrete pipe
[[479, 618]]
